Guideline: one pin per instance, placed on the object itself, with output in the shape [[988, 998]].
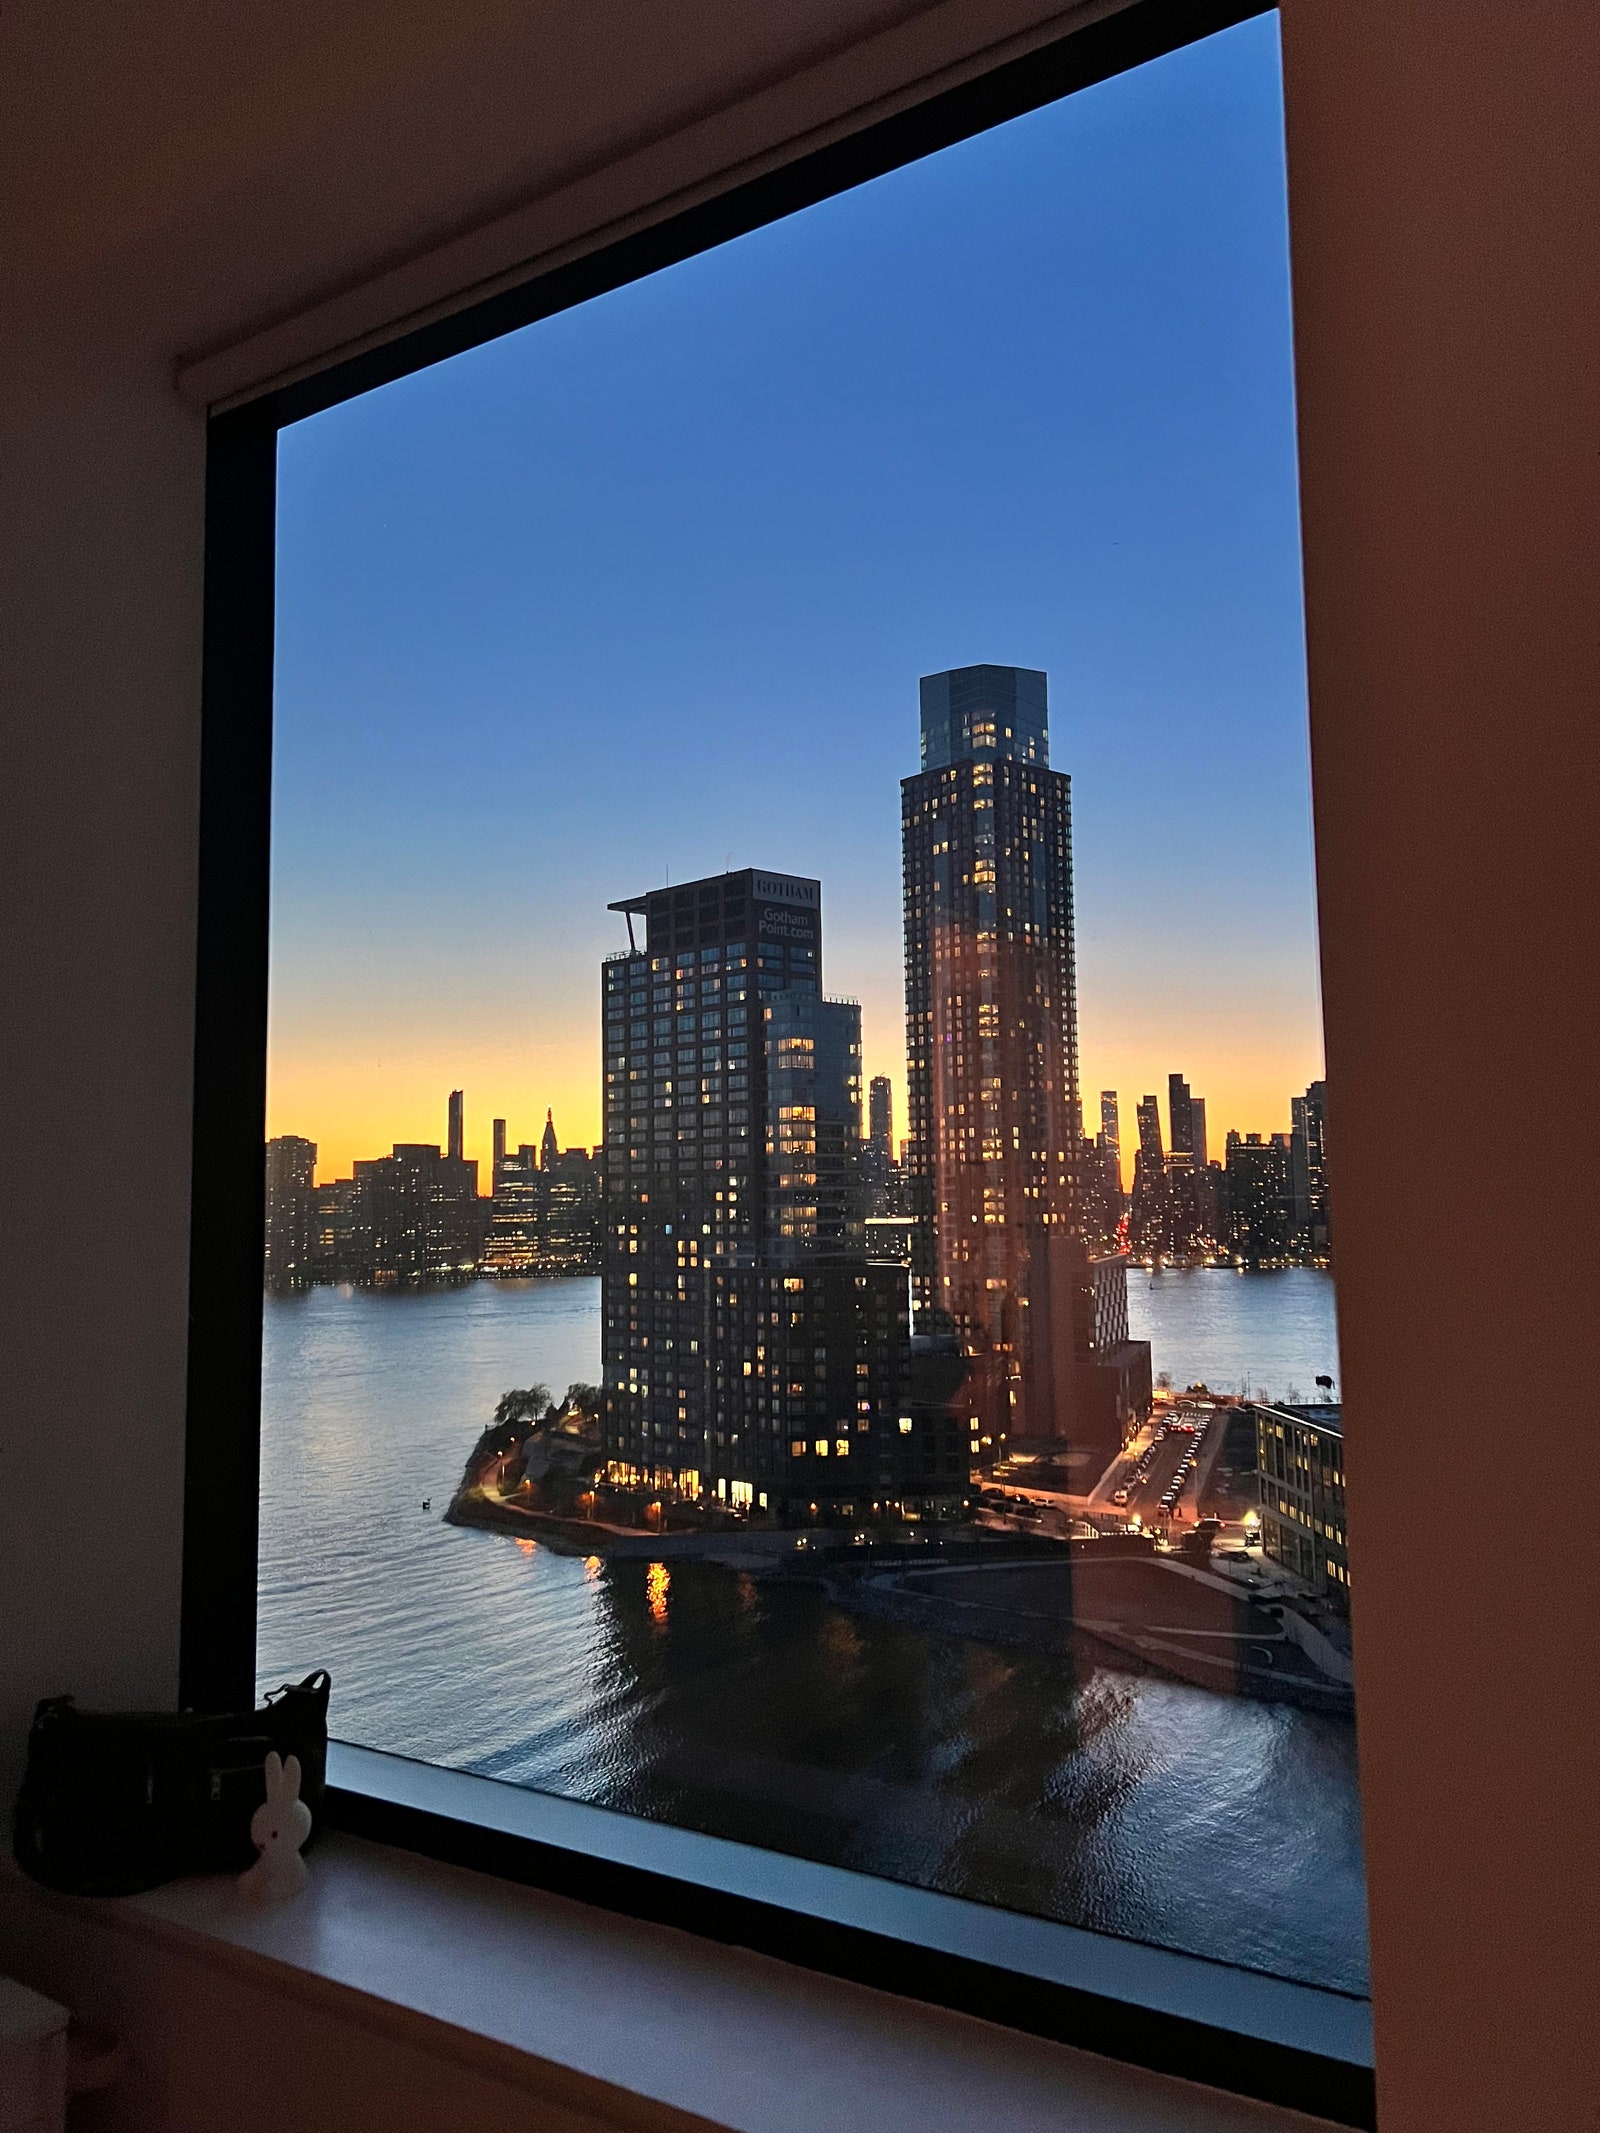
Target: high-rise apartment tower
[[1180, 1116], [753, 1352], [996, 1124], [880, 1115], [1309, 1163]]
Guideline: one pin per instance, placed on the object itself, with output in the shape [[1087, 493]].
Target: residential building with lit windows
[[545, 1209], [515, 1211], [1121, 1389], [1308, 1170], [1260, 1198], [753, 1352], [1300, 1457], [814, 1184], [416, 1216], [996, 1144], [290, 1254]]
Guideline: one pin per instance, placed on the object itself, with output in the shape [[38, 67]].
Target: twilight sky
[[645, 590]]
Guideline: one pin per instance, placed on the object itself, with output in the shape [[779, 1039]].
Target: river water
[[1072, 1790]]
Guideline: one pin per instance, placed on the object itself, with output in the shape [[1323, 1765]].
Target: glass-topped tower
[[985, 714], [995, 1115]]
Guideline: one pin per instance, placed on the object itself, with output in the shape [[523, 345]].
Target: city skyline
[[1029, 401], [479, 1142], [349, 1117], [324, 1171], [1252, 1099]]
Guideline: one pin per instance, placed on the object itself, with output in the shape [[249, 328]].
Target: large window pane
[[798, 1253]]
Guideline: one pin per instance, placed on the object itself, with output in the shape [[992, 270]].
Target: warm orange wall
[[1445, 212]]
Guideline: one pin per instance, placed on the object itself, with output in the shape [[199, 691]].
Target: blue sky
[[646, 589]]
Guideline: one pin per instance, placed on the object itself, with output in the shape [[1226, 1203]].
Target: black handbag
[[113, 1802]]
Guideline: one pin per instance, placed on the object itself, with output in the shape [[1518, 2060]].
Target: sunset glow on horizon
[[516, 1067]]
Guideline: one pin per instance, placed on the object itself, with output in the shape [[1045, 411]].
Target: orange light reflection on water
[[657, 1584]]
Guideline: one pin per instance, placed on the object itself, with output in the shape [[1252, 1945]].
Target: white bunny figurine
[[278, 1828]]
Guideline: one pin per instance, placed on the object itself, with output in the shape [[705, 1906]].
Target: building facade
[[290, 1246], [1308, 1165], [512, 1246], [1148, 1214], [546, 1208], [754, 1353], [1260, 1221], [1122, 1390], [996, 1145], [416, 1217], [879, 1171], [1300, 1462]]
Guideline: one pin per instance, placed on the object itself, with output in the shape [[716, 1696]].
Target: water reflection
[[1053, 1783]]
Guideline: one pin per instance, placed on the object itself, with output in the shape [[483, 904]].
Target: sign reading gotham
[[786, 908]]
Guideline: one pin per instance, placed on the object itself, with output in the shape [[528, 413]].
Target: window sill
[[644, 2024]]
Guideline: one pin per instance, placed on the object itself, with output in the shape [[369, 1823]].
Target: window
[[725, 555]]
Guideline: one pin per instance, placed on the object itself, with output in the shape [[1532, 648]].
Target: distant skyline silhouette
[[647, 588]]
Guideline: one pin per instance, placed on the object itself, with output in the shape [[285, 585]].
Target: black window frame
[[222, 1457]]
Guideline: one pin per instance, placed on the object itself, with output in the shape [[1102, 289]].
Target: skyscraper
[[1111, 1205], [753, 1353], [880, 1115], [545, 1215], [290, 1253], [1180, 1117], [1260, 1198], [1149, 1116], [1148, 1222], [458, 1127], [512, 1244], [416, 1213], [1308, 1159], [571, 1208], [878, 1174], [992, 1043], [813, 1127], [1188, 1213]]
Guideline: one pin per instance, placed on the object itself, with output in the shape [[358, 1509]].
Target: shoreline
[[1231, 1647]]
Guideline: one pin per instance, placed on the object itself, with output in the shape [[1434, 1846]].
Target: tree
[[1163, 1381], [524, 1406], [583, 1400]]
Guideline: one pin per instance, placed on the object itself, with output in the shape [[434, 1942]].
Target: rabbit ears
[[283, 1779]]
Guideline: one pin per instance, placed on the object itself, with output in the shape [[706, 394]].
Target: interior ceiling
[[170, 162]]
